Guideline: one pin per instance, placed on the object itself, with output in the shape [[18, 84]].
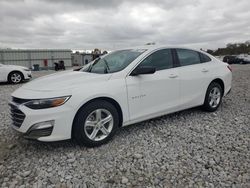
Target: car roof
[[155, 47]]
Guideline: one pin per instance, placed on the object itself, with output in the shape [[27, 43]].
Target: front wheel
[[213, 97], [15, 77], [95, 123]]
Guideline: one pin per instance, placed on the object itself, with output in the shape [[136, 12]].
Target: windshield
[[113, 62]]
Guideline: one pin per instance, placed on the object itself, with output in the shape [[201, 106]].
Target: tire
[[85, 123], [213, 97], [15, 77]]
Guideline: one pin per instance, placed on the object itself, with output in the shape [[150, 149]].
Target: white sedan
[[14, 74], [118, 89]]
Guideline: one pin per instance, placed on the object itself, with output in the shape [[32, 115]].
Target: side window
[[188, 57], [161, 59], [205, 58]]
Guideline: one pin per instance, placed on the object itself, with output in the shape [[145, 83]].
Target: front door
[[154, 94]]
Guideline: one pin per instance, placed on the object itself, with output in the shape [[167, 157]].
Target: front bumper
[[34, 123], [27, 75], [42, 129]]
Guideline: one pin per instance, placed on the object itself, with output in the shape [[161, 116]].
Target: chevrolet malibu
[[118, 89]]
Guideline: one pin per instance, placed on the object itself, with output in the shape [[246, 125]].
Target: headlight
[[46, 103]]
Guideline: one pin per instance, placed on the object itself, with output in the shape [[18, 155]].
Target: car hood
[[65, 80]]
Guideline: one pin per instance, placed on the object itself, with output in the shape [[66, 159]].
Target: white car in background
[[118, 89], [14, 74]]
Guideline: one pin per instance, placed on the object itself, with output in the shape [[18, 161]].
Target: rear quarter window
[[204, 58], [188, 57]]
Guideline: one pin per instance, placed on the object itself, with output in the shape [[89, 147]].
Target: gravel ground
[[191, 148]]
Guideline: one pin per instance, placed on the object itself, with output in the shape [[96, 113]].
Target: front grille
[[17, 116], [19, 100]]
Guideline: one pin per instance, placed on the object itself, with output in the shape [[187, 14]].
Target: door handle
[[204, 70], [173, 76]]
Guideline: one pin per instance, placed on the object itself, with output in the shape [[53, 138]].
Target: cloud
[[110, 24]]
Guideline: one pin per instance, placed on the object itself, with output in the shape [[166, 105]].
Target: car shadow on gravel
[[47, 145], [4, 83], [7, 83], [176, 115]]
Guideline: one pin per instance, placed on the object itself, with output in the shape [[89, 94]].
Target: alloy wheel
[[214, 97], [99, 124], [16, 78]]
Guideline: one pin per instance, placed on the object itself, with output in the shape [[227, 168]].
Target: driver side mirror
[[143, 70]]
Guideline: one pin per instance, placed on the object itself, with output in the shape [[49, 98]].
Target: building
[[80, 59], [87, 58], [42, 57], [77, 59]]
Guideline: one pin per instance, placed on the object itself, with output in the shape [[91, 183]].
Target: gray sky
[[111, 24]]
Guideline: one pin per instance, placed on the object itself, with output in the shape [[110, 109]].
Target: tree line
[[232, 49]]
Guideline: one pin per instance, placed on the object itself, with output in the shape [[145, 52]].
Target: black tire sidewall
[[206, 105], [78, 125]]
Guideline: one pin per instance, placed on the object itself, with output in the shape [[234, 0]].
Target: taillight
[[230, 68]]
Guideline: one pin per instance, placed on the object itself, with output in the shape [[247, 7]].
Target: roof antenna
[[150, 43]]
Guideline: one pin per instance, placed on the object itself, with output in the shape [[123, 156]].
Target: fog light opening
[[43, 125], [40, 129]]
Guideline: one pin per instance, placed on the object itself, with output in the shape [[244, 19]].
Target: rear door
[[153, 94], [194, 75]]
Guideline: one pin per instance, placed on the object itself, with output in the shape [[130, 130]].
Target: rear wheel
[[95, 123], [213, 97], [15, 77]]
